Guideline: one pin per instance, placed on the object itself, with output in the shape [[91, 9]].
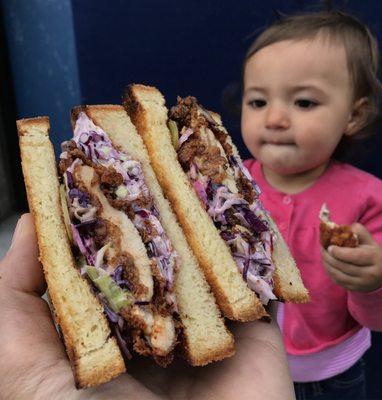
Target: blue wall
[[41, 45]]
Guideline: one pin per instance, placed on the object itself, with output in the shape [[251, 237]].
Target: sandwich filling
[[104, 197], [226, 191]]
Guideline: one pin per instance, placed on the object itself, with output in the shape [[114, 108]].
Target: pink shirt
[[330, 326]]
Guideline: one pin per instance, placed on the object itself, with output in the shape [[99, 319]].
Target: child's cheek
[[250, 135], [315, 149], [325, 138], [252, 141], [251, 144]]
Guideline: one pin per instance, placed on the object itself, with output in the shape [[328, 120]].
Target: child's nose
[[277, 117]]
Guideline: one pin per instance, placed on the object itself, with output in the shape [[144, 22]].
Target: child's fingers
[[360, 256], [364, 237], [345, 268], [340, 278]]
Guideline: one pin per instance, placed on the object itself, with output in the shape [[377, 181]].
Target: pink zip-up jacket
[[334, 314]]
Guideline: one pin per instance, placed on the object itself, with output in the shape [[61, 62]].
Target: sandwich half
[[93, 352], [243, 255], [107, 142]]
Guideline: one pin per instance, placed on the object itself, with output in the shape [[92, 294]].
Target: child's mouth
[[277, 142]]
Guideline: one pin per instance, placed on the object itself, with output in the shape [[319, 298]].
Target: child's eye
[[305, 103], [257, 103]]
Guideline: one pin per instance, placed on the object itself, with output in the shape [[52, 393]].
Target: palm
[[257, 371], [33, 361]]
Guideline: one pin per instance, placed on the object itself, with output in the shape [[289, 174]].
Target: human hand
[[33, 363], [359, 268]]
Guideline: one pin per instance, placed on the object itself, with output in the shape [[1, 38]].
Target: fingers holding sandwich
[[29, 345], [22, 284], [260, 354], [20, 269]]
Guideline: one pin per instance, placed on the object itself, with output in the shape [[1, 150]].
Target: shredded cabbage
[[96, 145], [184, 135], [241, 225]]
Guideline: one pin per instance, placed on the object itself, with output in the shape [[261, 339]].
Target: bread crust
[[25, 123], [75, 111], [287, 282]]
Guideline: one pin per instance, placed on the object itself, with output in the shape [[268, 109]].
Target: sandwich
[[121, 276], [92, 350], [239, 247], [334, 234]]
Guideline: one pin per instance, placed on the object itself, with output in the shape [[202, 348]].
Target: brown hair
[[361, 50]]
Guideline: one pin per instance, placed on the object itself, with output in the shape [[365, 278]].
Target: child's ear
[[358, 117]]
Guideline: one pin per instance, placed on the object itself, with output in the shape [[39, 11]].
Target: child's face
[[297, 104]]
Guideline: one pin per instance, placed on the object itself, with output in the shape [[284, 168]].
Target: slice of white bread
[[205, 337], [94, 355], [146, 107], [288, 285]]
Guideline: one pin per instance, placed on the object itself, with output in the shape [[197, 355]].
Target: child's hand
[[356, 269]]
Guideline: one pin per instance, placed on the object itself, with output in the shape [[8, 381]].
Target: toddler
[[310, 90]]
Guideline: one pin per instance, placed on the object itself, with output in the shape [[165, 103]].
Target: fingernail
[[330, 249], [18, 231]]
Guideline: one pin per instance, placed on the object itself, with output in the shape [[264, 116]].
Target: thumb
[[20, 269], [364, 236]]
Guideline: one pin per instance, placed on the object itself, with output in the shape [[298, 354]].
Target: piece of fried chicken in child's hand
[[333, 234]]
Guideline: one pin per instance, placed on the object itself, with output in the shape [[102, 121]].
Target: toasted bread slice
[[94, 355], [146, 107], [288, 285], [205, 337]]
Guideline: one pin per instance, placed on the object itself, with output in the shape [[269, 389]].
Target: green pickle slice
[[116, 297], [174, 132]]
